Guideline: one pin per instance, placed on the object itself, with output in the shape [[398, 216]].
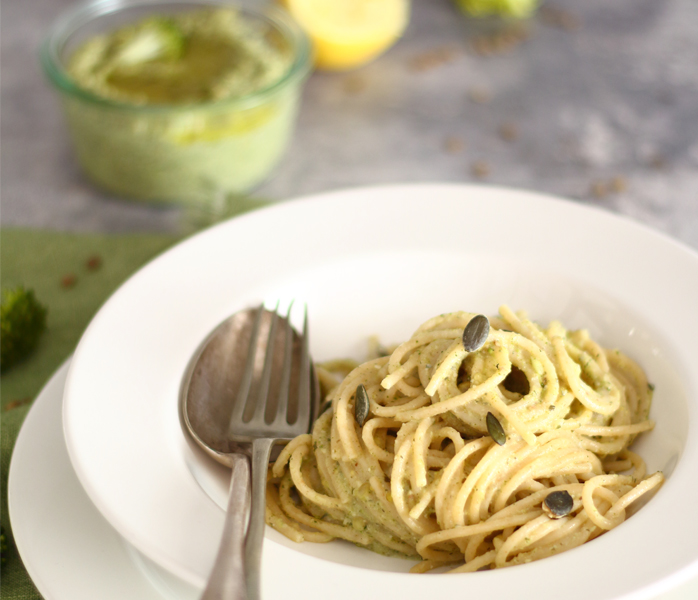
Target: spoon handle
[[261, 449], [227, 580]]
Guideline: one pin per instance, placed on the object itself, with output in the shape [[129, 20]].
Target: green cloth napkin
[[71, 274]]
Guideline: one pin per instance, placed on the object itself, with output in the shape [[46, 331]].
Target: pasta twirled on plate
[[423, 477]]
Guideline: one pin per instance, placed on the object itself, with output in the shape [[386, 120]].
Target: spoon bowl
[[215, 375]]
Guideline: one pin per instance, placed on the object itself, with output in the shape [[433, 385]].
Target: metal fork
[[264, 428], [266, 409]]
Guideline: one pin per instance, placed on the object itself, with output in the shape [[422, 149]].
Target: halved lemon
[[349, 33]]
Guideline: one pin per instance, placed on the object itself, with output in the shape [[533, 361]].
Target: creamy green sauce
[[172, 129], [186, 58], [364, 510]]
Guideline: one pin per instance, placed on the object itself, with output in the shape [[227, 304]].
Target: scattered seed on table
[[480, 95], [355, 84], [69, 280], [657, 162], [499, 42], [454, 145], [599, 189], [480, 169], [434, 58], [509, 132], [618, 184], [17, 403], [560, 18], [94, 262]]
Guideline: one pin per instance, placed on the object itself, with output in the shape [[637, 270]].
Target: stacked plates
[[140, 506]]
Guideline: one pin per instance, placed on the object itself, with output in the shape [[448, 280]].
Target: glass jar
[[183, 153]]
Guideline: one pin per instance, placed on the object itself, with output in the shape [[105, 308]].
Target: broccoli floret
[[22, 321]]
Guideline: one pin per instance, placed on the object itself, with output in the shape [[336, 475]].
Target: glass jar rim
[[84, 13]]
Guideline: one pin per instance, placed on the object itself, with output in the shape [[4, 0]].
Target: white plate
[[382, 260], [66, 545], [53, 517]]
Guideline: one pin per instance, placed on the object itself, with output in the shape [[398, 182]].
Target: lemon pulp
[[349, 33]]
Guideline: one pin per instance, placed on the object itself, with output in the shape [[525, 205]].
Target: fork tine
[[246, 383], [303, 417], [263, 392], [282, 404]]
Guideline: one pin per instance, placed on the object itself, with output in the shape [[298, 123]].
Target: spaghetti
[[423, 478]]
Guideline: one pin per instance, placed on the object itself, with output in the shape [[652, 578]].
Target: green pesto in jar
[[188, 58], [190, 107]]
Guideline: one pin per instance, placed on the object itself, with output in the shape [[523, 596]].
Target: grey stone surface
[[606, 113]]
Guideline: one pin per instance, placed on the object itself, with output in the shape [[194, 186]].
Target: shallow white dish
[[381, 261], [66, 545], [52, 516]]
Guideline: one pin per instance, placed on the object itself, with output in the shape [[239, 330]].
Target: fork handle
[[261, 449], [227, 580]]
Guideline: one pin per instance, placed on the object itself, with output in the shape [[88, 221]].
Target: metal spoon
[[224, 406]]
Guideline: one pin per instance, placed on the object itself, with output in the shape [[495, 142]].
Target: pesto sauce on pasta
[[423, 478]]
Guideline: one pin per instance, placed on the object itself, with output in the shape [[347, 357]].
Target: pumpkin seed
[[476, 332], [361, 404], [558, 504], [495, 429]]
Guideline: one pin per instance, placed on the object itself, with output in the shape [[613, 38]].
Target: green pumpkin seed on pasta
[[361, 404], [495, 429], [475, 333], [558, 504]]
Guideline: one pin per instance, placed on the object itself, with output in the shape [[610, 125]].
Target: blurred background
[[590, 100]]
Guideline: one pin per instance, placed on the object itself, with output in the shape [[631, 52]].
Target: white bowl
[[380, 261]]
